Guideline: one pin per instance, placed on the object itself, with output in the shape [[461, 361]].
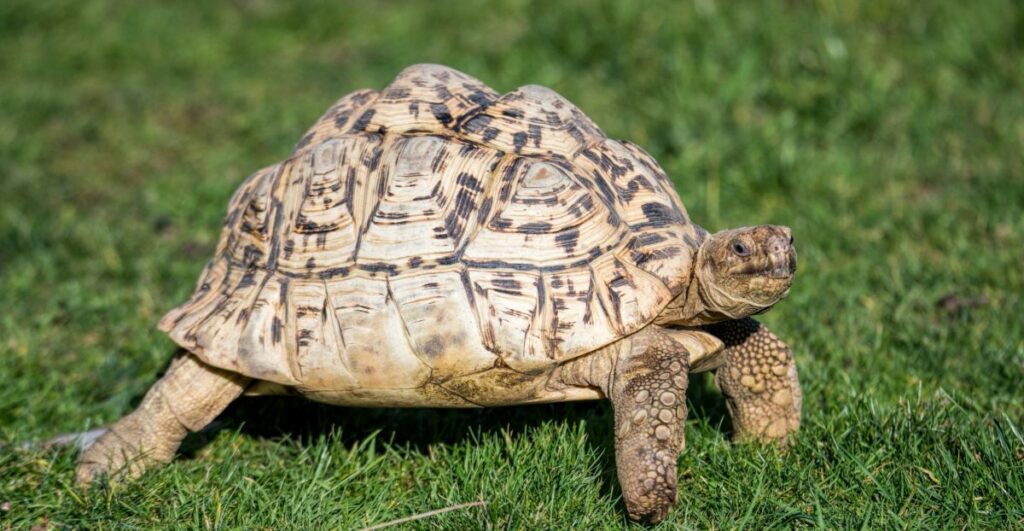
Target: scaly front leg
[[759, 381], [648, 392]]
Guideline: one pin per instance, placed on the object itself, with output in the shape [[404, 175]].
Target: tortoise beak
[[783, 265], [781, 255]]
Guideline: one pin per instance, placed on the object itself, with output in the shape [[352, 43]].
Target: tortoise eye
[[739, 248]]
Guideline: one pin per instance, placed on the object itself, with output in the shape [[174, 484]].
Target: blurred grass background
[[889, 135]]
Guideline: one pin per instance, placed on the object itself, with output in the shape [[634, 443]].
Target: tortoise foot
[[124, 452]]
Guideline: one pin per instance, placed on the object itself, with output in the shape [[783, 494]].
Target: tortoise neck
[[688, 304], [692, 307]]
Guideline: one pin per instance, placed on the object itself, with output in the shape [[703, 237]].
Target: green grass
[[889, 135]]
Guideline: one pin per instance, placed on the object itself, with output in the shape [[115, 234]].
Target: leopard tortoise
[[438, 244]]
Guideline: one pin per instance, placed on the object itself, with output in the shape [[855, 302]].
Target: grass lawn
[[889, 135]]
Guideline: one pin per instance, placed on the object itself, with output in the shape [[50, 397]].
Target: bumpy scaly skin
[[187, 398], [759, 381], [648, 392]]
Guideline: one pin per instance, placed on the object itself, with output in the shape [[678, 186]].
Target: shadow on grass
[[305, 421], [302, 420]]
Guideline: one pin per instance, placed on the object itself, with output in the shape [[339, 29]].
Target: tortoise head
[[737, 273], [745, 271]]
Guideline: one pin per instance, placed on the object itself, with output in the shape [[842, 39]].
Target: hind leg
[[187, 398], [759, 381]]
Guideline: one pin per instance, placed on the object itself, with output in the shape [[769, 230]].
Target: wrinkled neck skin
[[702, 303]]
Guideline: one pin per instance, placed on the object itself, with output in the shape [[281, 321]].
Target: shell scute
[[661, 239], [543, 211], [532, 120], [428, 205], [439, 320], [322, 228], [377, 352], [505, 303], [427, 98]]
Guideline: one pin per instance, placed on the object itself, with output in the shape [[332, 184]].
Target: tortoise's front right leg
[[187, 398], [758, 380]]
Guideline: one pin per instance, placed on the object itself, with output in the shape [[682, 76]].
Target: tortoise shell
[[433, 232]]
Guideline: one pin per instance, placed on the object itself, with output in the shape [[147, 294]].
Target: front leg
[[758, 380], [648, 393]]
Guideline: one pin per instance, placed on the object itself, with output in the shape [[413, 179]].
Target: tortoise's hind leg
[[758, 380], [187, 398]]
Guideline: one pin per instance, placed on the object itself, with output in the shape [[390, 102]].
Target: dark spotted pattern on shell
[[434, 235]]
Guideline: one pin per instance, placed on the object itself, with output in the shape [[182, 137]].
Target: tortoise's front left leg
[[187, 398], [648, 393], [758, 380]]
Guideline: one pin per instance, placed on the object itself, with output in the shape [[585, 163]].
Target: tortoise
[[438, 244]]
